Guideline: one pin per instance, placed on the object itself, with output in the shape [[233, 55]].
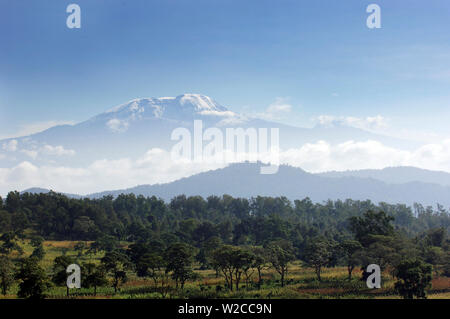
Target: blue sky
[[318, 56]]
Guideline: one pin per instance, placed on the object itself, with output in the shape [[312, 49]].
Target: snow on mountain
[[180, 107], [132, 128]]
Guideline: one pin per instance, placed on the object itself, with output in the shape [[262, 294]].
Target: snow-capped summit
[[199, 102], [131, 129], [181, 107]]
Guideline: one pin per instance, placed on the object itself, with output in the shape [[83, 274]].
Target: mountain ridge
[[244, 180]]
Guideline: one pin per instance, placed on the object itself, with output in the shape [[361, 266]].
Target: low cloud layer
[[33, 150], [275, 111], [156, 166], [370, 123]]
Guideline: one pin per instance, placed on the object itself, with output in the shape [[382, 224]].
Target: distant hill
[[405, 185], [244, 180], [38, 190], [397, 175]]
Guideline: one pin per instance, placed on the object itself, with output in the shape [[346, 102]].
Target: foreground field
[[301, 283]]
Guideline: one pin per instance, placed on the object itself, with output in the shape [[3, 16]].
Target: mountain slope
[[131, 129], [396, 175], [244, 180]]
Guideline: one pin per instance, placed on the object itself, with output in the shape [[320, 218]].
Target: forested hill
[[192, 219], [245, 180]]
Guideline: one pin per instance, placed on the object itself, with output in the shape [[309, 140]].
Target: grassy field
[[301, 283]]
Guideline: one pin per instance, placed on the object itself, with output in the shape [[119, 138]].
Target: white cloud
[[351, 155], [232, 120], [30, 153], [117, 125], [370, 123], [322, 156], [156, 166], [218, 113], [10, 146], [279, 106], [45, 150], [56, 150], [275, 111]]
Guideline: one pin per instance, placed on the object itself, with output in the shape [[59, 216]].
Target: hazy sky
[[318, 57]]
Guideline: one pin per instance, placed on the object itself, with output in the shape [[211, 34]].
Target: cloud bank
[[156, 166]]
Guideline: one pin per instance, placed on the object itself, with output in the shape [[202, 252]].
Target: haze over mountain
[[244, 180], [130, 145], [396, 175], [131, 129]]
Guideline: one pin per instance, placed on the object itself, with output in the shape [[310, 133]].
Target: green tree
[[232, 261], [413, 278], [5, 221], [117, 264], [446, 267], [434, 256], [259, 262], [59, 276], [95, 276], [106, 243], [247, 264], [150, 265], [33, 279], [38, 252], [9, 243], [222, 259], [351, 250], [179, 257], [6, 274], [317, 255], [80, 247], [36, 241], [372, 223], [280, 254]]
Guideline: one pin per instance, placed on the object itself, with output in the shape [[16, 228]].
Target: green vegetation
[[221, 247]]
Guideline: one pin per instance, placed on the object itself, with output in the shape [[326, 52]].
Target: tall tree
[[318, 254], [371, 223], [351, 250], [95, 276], [60, 265], [259, 262], [180, 257], [117, 264], [280, 254], [6, 274], [33, 279], [414, 278]]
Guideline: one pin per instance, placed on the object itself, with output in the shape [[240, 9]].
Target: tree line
[[238, 238]]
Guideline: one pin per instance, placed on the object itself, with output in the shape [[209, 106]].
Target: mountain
[[244, 180], [124, 135], [129, 130], [396, 175]]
